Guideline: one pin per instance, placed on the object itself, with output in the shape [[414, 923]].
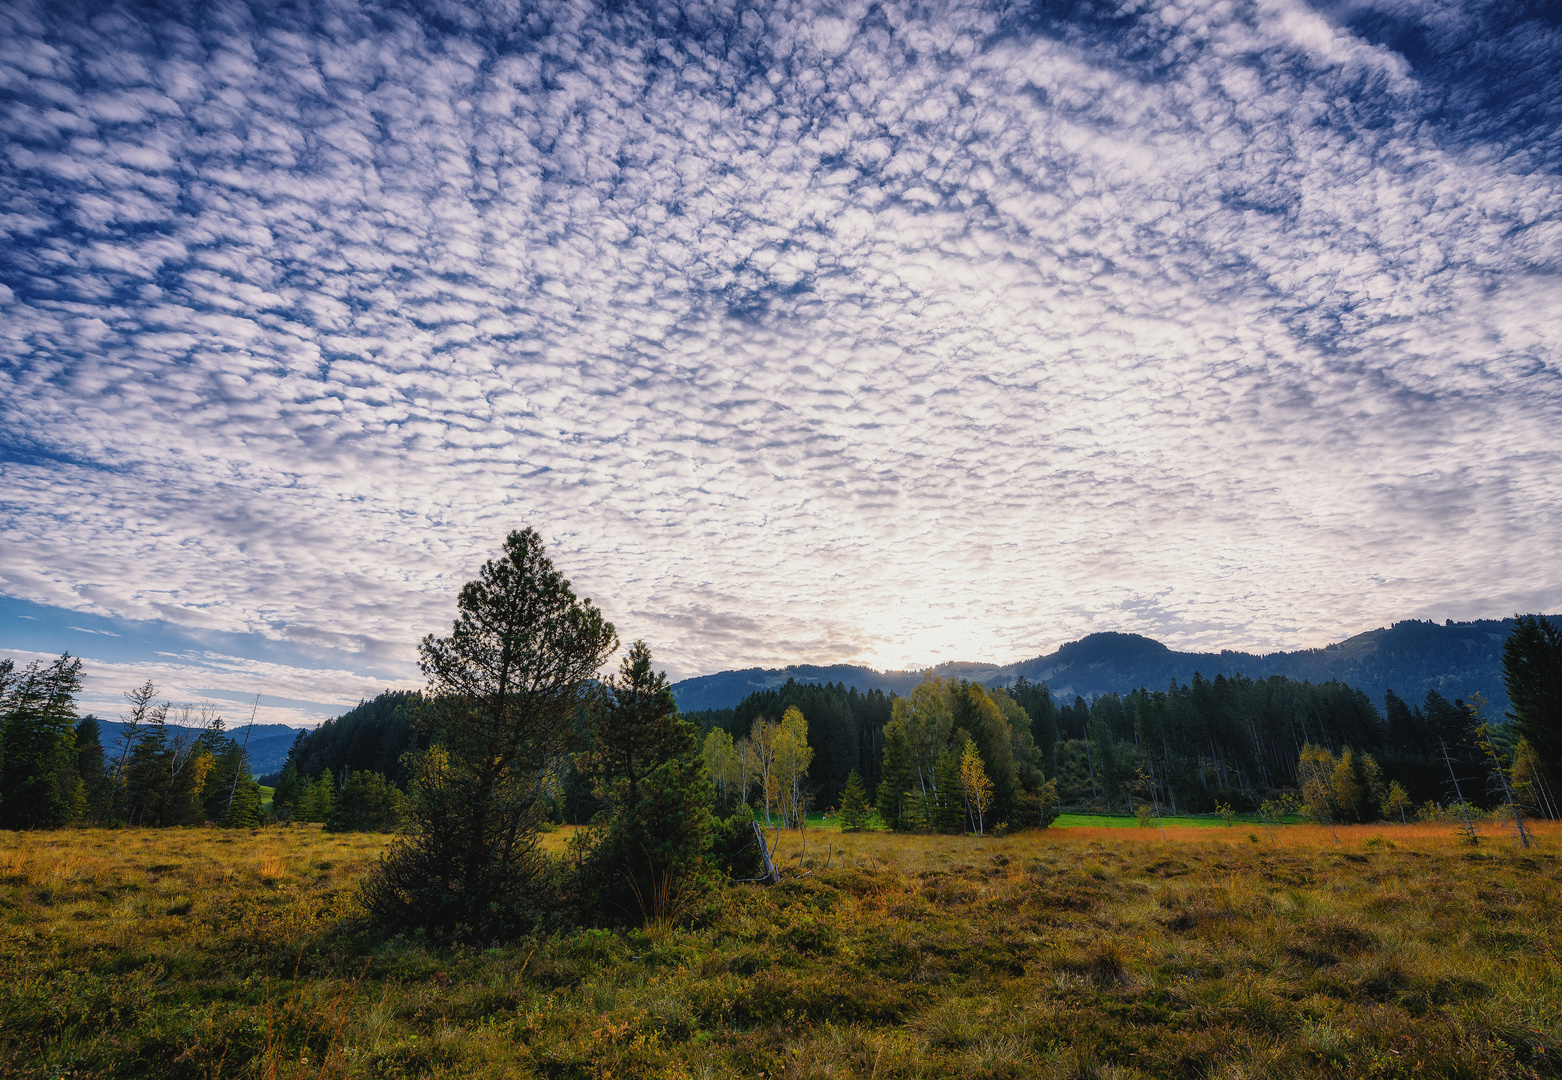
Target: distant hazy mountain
[[1455, 659], [267, 747]]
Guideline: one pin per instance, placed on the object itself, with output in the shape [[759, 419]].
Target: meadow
[[1077, 952]]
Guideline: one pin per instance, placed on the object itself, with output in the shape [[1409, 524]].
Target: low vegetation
[[1393, 951]]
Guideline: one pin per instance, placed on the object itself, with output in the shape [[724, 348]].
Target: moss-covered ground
[[1083, 952]]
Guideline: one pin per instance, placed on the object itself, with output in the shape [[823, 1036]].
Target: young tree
[[854, 809], [1397, 801], [650, 853], [1316, 769], [634, 721], [763, 738], [793, 756], [722, 760], [978, 789], [503, 693]]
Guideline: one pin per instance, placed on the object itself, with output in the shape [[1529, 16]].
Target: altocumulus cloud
[[882, 332]]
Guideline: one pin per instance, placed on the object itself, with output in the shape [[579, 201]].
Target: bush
[[733, 851]]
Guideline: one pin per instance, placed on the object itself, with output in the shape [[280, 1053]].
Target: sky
[[802, 333]]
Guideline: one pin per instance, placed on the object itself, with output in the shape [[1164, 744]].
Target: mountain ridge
[[1409, 657]]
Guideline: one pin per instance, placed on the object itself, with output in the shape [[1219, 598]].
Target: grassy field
[[1082, 952]]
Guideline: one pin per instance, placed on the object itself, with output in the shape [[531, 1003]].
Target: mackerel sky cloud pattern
[[802, 332]]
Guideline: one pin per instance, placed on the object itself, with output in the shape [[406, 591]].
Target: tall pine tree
[[504, 690]]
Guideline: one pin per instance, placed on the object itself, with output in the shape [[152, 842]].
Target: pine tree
[[854, 809], [144, 773], [318, 799], [635, 728], [504, 691]]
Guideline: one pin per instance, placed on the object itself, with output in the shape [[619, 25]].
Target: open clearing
[[1071, 953]]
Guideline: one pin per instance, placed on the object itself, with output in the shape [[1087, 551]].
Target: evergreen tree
[[287, 791], [635, 727], [318, 799], [649, 857], [947, 806], [854, 809], [242, 804], [1036, 700], [504, 691], [895, 777], [368, 803], [38, 728], [91, 767], [980, 715], [1532, 675], [144, 772]]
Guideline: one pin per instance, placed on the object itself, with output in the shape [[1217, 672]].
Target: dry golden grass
[[1391, 951]]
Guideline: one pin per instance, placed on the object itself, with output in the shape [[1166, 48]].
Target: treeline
[[845, 729], [171, 765], [1228, 742], [351, 773]]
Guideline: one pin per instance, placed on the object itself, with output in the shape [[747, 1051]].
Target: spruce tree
[[368, 803], [38, 728], [854, 803], [242, 811], [948, 809], [896, 777], [97, 788], [1532, 676], [648, 859], [504, 689], [288, 790]]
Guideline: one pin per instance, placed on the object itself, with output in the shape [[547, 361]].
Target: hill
[[1411, 657]]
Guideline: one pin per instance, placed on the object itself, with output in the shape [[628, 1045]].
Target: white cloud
[[855, 335]]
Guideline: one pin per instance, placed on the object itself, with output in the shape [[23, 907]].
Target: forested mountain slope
[[1410, 658]]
